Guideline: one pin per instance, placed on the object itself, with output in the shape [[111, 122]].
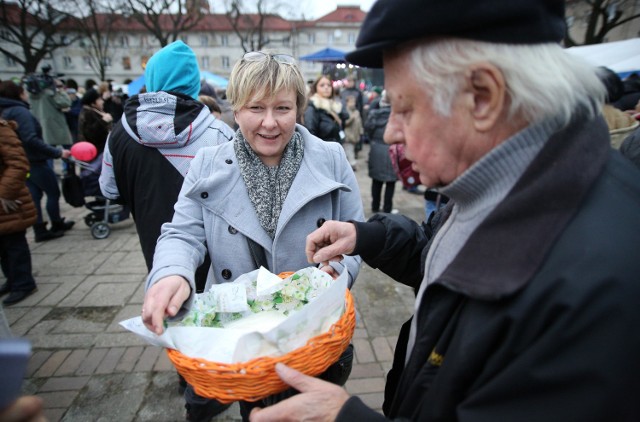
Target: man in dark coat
[[527, 282]]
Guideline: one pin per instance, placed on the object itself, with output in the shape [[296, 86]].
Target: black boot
[[61, 225], [42, 234]]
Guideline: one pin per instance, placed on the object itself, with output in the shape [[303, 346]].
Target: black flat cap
[[393, 22]]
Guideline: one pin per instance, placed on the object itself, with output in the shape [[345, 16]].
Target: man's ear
[[489, 91]]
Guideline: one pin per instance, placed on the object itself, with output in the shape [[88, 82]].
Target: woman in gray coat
[[260, 194]]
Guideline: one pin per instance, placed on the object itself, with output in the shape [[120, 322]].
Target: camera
[[35, 83]]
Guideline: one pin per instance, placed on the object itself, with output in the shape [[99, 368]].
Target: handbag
[[72, 189], [402, 167]]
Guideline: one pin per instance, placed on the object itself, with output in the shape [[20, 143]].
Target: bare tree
[[96, 23], [34, 27], [600, 16], [166, 19], [249, 22]]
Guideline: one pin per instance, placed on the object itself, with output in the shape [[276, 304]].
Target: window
[[311, 38], [143, 41], [67, 63], [124, 41], [126, 63], [352, 38], [224, 40], [107, 61], [225, 62], [185, 39], [204, 40], [143, 61], [205, 62], [86, 60], [330, 38], [286, 41], [10, 62]]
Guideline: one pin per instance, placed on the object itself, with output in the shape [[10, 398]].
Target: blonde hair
[[542, 80], [263, 79]]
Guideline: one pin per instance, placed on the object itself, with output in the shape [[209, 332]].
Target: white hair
[[542, 80]]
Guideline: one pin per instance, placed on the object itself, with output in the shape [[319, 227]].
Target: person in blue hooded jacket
[[149, 150]]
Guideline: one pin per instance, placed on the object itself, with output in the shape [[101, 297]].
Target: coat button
[[228, 161], [204, 195], [320, 222], [232, 230], [226, 274]]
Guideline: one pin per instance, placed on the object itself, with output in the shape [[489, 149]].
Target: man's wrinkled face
[[437, 145]]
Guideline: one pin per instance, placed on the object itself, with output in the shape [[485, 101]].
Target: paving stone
[[108, 398], [91, 362], [148, 358], [54, 415], [108, 294], [138, 296], [373, 400], [61, 290], [123, 263], [108, 364], [365, 385], [72, 363], [74, 263], [162, 389], [36, 360], [360, 333], [58, 399], [125, 338], [28, 321], [62, 341], [13, 314], [129, 359], [366, 370], [381, 349], [163, 363], [126, 312], [64, 383], [52, 364], [364, 353], [43, 328]]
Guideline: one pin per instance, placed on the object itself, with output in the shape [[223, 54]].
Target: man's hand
[[330, 242], [9, 205], [66, 154], [318, 400], [164, 299]]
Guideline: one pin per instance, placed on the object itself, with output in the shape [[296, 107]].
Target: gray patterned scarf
[[268, 186]]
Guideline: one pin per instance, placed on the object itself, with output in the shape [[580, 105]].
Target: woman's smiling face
[[268, 124]]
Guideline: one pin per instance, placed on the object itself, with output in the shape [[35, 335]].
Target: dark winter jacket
[[322, 124], [14, 168], [93, 128], [148, 153], [29, 131], [537, 317], [380, 167]]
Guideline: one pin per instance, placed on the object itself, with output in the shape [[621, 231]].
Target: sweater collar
[[508, 247]]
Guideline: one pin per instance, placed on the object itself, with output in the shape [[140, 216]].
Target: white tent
[[623, 57]]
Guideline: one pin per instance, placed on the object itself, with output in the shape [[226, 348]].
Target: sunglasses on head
[[258, 56]]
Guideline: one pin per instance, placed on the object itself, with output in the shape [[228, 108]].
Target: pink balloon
[[84, 151]]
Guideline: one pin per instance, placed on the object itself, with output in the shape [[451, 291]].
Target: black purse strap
[[257, 253]]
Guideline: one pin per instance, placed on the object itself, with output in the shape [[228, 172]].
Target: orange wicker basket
[[256, 379]]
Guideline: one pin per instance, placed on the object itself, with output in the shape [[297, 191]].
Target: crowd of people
[[526, 286]]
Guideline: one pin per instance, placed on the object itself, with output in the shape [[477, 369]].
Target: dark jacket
[[155, 129], [29, 131], [321, 124], [380, 167], [92, 128], [14, 168], [536, 318]]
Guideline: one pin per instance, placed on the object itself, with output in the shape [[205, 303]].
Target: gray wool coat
[[214, 215]]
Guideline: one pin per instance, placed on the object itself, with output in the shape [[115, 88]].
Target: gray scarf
[[268, 186]]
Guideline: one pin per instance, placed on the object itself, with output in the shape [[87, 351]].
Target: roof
[[344, 14]]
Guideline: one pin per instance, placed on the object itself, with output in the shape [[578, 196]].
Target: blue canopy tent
[[623, 57], [135, 86], [328, 55], [214, 79]]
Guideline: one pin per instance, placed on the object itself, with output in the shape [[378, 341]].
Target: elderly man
[[527, 287]]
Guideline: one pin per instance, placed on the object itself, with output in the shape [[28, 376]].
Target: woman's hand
[[164, 299], [107, 117]]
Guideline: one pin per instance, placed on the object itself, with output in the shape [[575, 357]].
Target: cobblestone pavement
[[87, 368]]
